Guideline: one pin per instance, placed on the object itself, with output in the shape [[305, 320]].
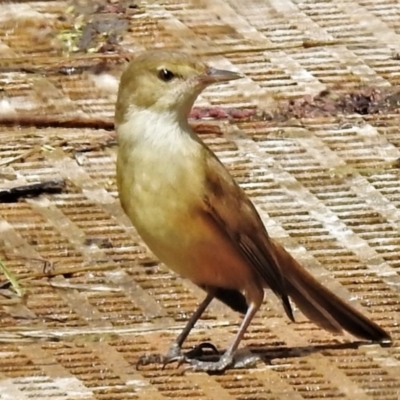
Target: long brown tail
[[322, 306]]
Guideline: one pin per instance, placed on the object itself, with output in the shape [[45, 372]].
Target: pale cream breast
[[160, 177]]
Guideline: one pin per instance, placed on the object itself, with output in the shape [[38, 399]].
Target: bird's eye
[[166, 75]]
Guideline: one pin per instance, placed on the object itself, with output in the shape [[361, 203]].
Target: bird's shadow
[[302, 351], [249, 356]]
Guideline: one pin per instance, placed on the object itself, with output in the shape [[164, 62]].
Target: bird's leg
[[227, 359], [175, 351]]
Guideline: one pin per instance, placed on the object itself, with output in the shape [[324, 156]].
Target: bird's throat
[[158, 156]]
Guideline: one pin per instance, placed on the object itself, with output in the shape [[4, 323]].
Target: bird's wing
[[234, 214]]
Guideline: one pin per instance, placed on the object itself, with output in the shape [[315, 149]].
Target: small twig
[[83, 123], [109, 141], [11, 278], [57, 122], [13, 194], [16, 158], [47, 264], [62, 272], [84, 287], [95, 63], [19, 333]]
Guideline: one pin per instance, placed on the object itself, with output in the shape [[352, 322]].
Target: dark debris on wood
[[13, 194]]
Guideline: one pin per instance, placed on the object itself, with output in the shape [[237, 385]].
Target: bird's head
[[163, 81]]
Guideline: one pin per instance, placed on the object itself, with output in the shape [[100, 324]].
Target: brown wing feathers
[[237, 218]]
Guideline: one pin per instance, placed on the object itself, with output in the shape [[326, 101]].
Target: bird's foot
[[225, 361], [242, 359], [175, 354]]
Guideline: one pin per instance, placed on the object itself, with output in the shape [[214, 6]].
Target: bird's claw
[[175, 354], [148, 359]]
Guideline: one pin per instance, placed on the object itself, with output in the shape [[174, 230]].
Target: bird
[[194, 216]]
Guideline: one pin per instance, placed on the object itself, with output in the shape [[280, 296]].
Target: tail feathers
[[321, 305]]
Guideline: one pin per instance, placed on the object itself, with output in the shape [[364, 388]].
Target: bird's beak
[[213, 75]]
